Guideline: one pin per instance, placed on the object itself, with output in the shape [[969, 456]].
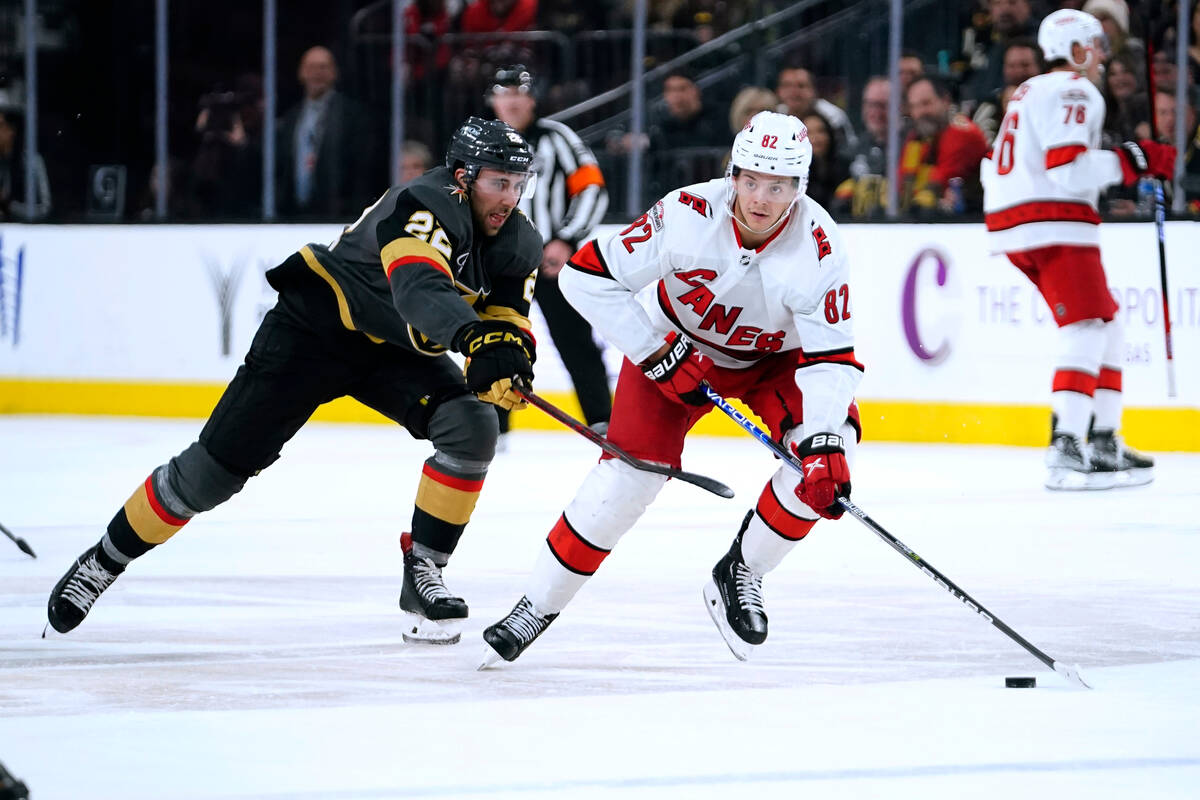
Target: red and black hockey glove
[[679, 371], [1145, 158], [496, 351], [826, 474]]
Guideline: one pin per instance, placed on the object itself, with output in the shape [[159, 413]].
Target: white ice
[[258, 653]]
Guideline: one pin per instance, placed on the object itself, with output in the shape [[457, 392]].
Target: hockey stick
[[1070, 673], [708, 484], [19, 542], [1160, 213]]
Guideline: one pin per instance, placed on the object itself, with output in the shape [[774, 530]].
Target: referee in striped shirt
[[569, 202]]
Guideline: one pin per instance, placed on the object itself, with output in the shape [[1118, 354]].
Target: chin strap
[[782, 219]]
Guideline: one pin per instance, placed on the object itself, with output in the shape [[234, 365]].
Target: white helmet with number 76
[[1063, 29]]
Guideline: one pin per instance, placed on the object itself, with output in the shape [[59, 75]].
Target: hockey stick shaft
[[708, 484], [1160, 228], [19, 542], [1160, 213], [1070, 673]]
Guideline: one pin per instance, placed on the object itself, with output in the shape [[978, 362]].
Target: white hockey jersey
[[738, 305], [1042, 178]]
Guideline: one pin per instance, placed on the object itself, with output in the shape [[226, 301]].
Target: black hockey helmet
[[480, 143]]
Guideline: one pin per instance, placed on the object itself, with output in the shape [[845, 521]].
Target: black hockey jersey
[[411, 271]]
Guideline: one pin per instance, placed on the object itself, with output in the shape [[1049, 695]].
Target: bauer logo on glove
[[826, 473], [678, 369]]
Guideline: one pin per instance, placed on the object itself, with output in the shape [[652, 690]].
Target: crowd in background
[[331, 153]]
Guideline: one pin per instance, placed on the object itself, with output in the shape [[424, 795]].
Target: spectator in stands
[[325, 158], [504, 16], [1010, 19], [683, 121], [431, 19], [13, 207], [571, 16], [226, 172], [1114, 17], [1164, 118], [748, 102], [828, 169], [179, 203], [1022, 60], [939, 165], [568, 204], [912, 66], [862, 193], [1193, 48], [798, 93], [1128, 108], [415, 160]]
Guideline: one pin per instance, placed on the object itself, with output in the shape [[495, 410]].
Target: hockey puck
[[1020, 683]]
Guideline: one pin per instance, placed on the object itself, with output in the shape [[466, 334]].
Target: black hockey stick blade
[[705, 483], [1069, 673], [19, 542]]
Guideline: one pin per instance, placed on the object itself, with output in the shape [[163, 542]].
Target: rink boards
[[153, 321]]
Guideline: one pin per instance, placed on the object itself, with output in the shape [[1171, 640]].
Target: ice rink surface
[[258, 653]]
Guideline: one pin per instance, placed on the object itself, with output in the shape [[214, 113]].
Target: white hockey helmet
[[1064, 28], [775, 144]]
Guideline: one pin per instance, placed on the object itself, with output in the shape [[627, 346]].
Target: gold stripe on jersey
[[423, 343], [408, 247], [506, 314], [343, 305]]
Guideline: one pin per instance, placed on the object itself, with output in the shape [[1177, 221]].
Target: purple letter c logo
[[908, 308]]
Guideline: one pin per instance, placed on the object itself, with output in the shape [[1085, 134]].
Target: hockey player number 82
[[832, 316]]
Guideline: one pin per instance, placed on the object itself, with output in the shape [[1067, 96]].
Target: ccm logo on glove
[[497, 351]]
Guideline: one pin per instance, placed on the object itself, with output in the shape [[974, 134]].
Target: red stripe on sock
[[779, 519], [157, 507], [576, 553], [462, 484], [1070, 380], [1110, 379]]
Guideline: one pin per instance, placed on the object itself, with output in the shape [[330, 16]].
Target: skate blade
[[1127, 478], [740, 648], [1069, 480], [419, 630], [490, 658]]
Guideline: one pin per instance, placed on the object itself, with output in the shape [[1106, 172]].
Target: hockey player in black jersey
[[445, 263]]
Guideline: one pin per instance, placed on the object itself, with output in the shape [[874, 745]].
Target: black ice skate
[[1111, 456], [1068, 468], [73, 595], [734, 601], [509, 637], [433, 615]]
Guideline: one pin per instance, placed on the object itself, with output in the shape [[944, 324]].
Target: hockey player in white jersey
[[1042, 180], [750, 293]]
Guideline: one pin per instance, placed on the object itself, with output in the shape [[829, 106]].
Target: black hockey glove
[[496, 351]]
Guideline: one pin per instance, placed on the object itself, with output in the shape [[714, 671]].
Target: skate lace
[[749, 587], [427, 580], [86, 585], [524, 622]]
